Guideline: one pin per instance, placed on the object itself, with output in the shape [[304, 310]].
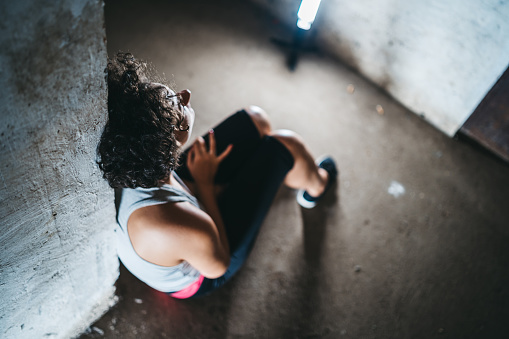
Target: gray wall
[[438, 58], [58, 262]]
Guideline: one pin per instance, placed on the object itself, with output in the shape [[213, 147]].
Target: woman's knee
[[260, 118], [291, 140]]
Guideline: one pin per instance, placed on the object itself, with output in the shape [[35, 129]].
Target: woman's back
[[163, 278]]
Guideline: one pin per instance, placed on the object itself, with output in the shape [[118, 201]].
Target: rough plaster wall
[[439, 58], [58, 260]]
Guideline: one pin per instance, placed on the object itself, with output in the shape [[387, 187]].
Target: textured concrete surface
[[438, 58], [411, 244], [57, 256]]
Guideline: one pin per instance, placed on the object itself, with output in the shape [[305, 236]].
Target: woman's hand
[[203, 163]]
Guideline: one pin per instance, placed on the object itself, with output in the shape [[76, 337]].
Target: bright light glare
[[307, 13]]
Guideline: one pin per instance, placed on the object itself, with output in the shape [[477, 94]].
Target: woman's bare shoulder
[[159, 233]]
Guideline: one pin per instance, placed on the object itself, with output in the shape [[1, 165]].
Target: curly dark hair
[[138, 147]]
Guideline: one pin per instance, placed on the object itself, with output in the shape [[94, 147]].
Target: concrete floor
[[431, 262]]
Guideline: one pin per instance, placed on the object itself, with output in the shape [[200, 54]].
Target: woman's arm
[[200, 243], [208, 199], [166, 234], [203, 164]]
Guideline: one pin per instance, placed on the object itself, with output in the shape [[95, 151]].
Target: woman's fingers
[[190, 156], [212, 142], [200, 146], [212, 147], [225, 153], [199, 149]]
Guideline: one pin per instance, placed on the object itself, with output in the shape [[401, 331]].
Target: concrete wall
[[438, 58], [58, 261]]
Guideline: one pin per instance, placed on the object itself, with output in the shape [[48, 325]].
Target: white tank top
[[162, 278]]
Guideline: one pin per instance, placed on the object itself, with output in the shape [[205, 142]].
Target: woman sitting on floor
[[188, 220]]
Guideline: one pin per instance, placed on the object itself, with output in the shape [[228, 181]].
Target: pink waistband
[[190, 290]]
